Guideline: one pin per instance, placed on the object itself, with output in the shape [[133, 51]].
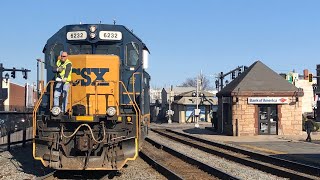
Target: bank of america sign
[[268, 100]]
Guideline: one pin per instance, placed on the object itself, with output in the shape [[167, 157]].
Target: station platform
[[293, 148]]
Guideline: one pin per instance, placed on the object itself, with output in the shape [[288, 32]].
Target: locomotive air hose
[[74, 133]]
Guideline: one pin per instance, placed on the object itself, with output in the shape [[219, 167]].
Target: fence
[[15, 128]]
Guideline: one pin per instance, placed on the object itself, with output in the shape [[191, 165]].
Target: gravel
[[233, 168], [139, 169], [18, 164]]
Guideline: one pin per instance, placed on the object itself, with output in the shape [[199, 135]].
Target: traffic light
[[13, 73], [217, 84], [233, 75], [25, 74], [310, 77], [239, 72]]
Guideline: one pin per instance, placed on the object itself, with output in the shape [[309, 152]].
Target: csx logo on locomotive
[[86, 72]]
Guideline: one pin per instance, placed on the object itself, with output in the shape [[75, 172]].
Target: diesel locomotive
[[108, 103]]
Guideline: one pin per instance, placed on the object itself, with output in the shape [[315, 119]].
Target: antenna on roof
[[114, 21]]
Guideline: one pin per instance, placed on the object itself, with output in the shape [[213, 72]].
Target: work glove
[[60, 69]]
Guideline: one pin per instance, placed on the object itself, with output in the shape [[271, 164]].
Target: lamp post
[[1, 79], [197, 110], [170, 112]]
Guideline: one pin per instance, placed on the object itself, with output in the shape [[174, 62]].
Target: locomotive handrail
[[134, 95], [35, 110], [136, 108]]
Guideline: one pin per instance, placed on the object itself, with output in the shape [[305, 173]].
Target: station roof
[[187, 99], [259, 79]]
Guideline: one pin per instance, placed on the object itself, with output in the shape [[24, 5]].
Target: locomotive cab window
[[55, 51], [108, 49], [132, 54], [80, 49]]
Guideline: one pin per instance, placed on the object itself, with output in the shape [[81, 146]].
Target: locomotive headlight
[[111, 111], [92, 35], [93, 28], [55, 111]]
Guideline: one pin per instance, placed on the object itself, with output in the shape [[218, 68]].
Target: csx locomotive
[[108, 101]]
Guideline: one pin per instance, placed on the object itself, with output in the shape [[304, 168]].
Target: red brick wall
[[16, 96]]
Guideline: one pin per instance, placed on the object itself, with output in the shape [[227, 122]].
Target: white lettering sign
[[77, 35], [110, 35], [268, 100]]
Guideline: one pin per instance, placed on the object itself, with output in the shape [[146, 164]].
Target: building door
[[268, 119]]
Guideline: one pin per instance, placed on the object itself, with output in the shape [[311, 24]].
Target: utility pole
[[197, 110], [1, 79], [317, 91], [170, 112], [39, 80]]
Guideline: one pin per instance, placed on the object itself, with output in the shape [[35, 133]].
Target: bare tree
[[192, 82]]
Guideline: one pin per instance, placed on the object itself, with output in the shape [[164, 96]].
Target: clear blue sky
[[184, 37]]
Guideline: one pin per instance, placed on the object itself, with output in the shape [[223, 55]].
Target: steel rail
[[208, 169], [159, 167], [256, 164], [299, 167]]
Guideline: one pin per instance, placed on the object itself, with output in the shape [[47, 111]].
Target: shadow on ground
[[200, 131], [22, 159], [309, 159], [28, 165]]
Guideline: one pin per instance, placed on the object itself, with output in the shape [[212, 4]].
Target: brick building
[[258, 102], [18, 97]]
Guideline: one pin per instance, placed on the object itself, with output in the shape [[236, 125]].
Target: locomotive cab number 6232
[[77, 35], [110, 35]]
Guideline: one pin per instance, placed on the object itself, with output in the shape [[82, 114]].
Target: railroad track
[[268, 164], [71, 174], [174, 165]]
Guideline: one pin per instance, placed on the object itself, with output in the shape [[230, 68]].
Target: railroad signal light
[[310, 77], [233, 75], [245, 68], [25, 74], [239, 72], [13, 73], [217, 84]]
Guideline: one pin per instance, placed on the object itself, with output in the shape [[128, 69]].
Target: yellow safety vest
[[64, 65]]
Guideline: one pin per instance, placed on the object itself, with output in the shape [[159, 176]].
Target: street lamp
[[197, 110]]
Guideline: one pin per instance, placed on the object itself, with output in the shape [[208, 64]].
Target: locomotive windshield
[[110, 49]]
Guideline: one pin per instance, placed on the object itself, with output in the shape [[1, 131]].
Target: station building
[[183, 102], [259, 102], [184, 105]]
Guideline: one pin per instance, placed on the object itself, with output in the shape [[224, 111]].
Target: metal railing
[[15, 128]]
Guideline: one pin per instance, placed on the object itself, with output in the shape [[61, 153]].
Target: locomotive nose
[[98, 81]]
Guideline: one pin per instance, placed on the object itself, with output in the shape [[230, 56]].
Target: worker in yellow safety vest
[[63, 72]]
